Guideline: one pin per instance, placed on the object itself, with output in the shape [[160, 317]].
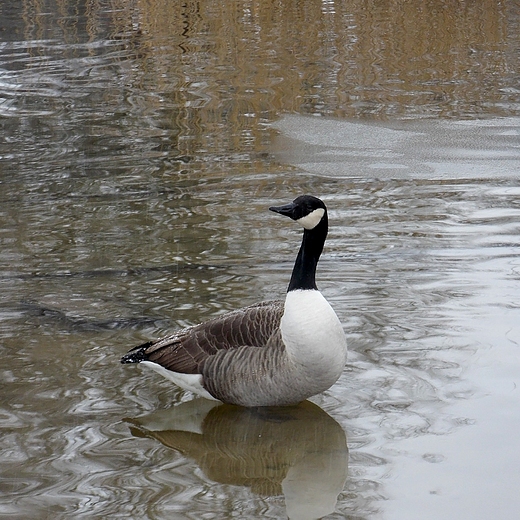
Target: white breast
[[313, 335]]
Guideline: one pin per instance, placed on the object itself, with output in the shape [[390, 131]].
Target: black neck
[[304, 271]]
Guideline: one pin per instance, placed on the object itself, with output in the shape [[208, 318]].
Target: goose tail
[[137, 354]]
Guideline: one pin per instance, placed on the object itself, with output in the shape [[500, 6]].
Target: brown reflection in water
[[214, 71], [189, 87], [339, 58], [298, 451]]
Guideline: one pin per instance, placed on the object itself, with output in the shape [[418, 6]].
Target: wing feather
[[186, 350]]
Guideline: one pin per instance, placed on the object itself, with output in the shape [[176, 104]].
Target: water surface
[[141, 146]]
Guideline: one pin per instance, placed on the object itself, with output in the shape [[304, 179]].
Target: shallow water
[[141, 146]]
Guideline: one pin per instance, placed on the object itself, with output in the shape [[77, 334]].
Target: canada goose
[[273, 353]]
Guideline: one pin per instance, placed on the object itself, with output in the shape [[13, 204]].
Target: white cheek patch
[[311, 220]]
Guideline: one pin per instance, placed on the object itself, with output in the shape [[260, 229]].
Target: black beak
[[287, 209]]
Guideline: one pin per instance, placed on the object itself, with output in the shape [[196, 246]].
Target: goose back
[[185, 351]]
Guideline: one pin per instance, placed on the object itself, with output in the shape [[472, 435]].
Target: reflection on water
[[141, 144], [300, 451]]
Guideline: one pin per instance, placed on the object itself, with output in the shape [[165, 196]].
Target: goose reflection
[[298, 451]]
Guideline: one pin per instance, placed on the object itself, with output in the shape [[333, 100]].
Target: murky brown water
[[141, 144]]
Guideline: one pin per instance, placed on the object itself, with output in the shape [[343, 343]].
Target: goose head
[[311, 213], [307, 210]]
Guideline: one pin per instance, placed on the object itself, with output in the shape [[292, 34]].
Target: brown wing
[[185, 350]]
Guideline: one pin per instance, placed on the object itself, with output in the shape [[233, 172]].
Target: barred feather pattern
[[189, 349], [248, 376]]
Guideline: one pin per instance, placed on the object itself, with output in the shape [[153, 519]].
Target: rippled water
[[141, 145]]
